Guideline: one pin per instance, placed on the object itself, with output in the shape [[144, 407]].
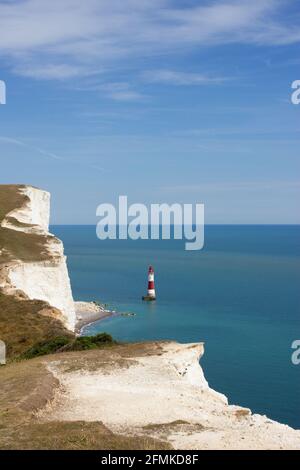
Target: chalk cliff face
[[33, 260]]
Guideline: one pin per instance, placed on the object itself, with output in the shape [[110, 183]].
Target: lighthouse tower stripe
[[151, 288]]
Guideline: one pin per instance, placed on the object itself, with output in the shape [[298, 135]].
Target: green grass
[[46, 347], [84, 343], [67, 343]]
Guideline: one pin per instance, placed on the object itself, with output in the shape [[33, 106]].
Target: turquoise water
[[240, 295]]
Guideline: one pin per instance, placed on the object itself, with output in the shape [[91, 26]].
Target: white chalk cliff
[[158, 390], [45, 279]]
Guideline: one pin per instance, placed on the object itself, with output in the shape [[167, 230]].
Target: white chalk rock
[[46, 280]]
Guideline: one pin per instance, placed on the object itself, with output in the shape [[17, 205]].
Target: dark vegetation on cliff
[[68, 343]]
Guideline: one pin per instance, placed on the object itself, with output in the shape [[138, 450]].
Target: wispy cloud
[[126, 96], [222, 186], [49, 71], [20, 143], [63, 39], [207, 134], [45, 153], [172, 77], [118, 91]]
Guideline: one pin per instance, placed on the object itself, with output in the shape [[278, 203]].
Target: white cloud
[[60, 39]]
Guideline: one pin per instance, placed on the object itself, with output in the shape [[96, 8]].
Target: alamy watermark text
[[2, 92], [135, 221], [295, 98], [2, 353], [296, 353]]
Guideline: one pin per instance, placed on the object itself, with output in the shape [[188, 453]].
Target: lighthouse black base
[[148, 298]]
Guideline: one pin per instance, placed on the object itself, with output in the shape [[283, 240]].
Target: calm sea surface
[[240, 295]]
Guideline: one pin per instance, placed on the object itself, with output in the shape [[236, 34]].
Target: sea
[[239, 295]]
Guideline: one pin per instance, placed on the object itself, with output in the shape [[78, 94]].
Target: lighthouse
[[151, 288]]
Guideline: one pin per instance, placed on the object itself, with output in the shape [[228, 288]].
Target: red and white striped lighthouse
[[151, 288]]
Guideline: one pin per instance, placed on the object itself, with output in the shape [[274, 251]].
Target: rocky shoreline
[[88, 313]]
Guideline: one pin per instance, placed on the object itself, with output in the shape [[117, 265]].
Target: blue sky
[[160, 100]]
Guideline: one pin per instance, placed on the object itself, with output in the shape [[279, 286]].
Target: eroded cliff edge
[[129, 396], [32, 262]]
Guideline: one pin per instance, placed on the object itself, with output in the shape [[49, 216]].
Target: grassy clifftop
[[17, 244], [22, 326]]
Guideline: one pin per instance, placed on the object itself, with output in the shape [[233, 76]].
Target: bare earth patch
[[28, 387]]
